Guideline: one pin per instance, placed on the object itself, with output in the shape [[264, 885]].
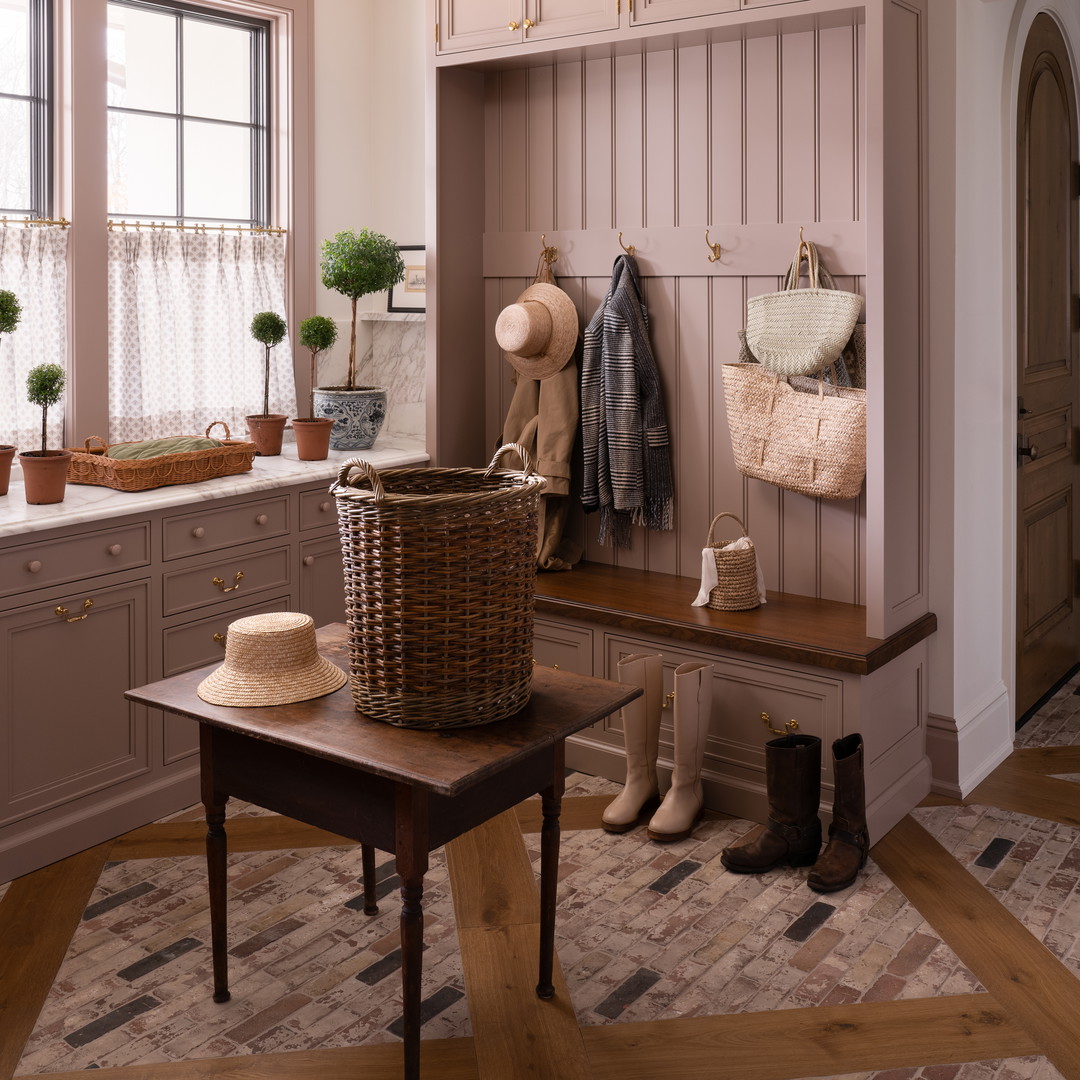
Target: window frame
[[40, 99], [259, 126]]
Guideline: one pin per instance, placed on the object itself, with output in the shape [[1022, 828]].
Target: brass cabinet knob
[[513, 25], [220, 639], [114, 549], [528, 24], [198, 532], [34, 566]]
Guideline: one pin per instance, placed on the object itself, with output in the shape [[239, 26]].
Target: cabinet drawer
[[72, 558], [318, 509], [560, 646], [209, 529], [232, 578]]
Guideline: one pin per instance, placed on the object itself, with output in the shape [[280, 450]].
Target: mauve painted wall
[[751, 139]]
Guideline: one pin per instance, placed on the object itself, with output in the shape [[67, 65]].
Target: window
[[188, 114], [24, 108]]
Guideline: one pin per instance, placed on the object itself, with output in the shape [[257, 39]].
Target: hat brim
[[227, 686], [564, 333]]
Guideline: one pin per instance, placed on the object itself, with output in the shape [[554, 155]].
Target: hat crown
[[538, 332], [524, 328]]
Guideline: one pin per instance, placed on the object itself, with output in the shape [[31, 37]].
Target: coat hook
[[629, 250], [714, 248], [548, 254]]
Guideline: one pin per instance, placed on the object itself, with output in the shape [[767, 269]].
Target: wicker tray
[[440, 571], [90, 465]]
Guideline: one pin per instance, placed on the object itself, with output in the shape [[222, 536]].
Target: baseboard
[[28, 845], [965, 750]]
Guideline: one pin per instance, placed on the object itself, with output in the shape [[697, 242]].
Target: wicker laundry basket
[[440, 575]]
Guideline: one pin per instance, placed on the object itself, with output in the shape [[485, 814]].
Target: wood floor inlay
[[955, 956]]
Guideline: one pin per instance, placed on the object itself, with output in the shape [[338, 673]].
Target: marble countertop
[[88, 503]]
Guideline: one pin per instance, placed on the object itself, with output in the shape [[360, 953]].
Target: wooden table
[[399, 790]]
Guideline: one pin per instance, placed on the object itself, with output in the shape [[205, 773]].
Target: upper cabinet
[[650, 11], [465, 25]]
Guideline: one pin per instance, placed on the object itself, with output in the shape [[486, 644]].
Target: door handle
[[1025, 449]]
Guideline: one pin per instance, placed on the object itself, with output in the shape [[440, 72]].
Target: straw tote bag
[[813, 443], [801, 331]]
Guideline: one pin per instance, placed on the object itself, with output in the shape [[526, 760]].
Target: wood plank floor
[[1026, 1007]]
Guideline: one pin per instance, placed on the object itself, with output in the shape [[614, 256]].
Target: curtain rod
[[138, 226], [30, 222]]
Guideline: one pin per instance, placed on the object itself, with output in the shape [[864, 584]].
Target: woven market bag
[[736, 586], [812, 443], [801, 331], [440, 575]]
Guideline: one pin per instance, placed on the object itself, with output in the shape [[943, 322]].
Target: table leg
[[551, 806], [412, 863], [217, 873], [367, 860]]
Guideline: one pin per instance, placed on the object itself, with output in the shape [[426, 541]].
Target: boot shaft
[[793, 778]]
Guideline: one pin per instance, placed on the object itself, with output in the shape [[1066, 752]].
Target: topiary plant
[[44, 387], [356, 264], [269, 328], [10, 311], [317, 333]]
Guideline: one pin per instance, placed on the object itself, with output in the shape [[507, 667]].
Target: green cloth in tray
[[151, 448]]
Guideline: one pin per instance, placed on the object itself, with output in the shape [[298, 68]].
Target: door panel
[[1047, 622]]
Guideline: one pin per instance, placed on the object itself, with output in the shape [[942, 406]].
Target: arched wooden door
[[1048, 329]]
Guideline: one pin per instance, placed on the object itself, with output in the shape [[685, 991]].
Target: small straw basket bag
[[440, 576], [736, 586]]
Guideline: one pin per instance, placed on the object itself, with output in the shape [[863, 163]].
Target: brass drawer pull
[[669, 697], [68, 617], [220, 639], [791, 725], [220, 582]]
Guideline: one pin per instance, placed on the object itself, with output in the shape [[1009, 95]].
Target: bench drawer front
[[232, 578], [318, 509], [74, 558], [207, 530], [560, 646]]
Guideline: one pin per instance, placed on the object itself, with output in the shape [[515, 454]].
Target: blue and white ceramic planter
[[357, 414]]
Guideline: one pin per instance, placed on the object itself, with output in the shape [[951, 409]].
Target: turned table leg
[[551, 804], [367, 861], [412, 864]]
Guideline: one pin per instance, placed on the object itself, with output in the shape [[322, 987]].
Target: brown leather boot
[[792, 833], [845, 854]]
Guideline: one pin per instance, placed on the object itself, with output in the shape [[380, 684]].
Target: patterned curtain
[[33, 265], [180, 352]]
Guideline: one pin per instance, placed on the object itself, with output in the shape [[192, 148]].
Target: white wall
[[369, 138], [974, 388]]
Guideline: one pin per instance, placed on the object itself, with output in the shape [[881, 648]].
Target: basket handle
[[94, 449], [526, 461], [228, 435], [709, 541], [367, 473]]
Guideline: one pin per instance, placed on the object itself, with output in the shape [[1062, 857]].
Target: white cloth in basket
[[709, 580]]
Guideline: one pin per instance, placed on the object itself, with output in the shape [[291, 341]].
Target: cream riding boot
[[641, 737], [685, 800]]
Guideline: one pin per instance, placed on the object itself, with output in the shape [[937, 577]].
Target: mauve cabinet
[[117, 600]]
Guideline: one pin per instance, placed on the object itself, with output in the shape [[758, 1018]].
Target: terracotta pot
[[312, 437], [357, 414], [266, 432], [6, 455], [44, 475]]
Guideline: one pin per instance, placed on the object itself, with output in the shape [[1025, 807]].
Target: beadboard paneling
[[748, 138]]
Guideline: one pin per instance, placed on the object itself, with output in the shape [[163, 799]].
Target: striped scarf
[[623, 429]]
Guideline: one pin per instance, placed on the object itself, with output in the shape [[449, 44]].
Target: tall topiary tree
[[355, 264], [44, 387], [317, 333], [269, 328]]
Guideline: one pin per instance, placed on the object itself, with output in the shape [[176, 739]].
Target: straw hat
[[271, 659], [538, 332]]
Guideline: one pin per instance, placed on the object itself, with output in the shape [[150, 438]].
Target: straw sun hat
[[271, 659], [538, 332]]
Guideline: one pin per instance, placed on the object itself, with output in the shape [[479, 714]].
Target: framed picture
[[410, 294]]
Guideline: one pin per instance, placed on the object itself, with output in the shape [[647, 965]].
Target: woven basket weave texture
[[736, 572], [440, 576], [814, 444]]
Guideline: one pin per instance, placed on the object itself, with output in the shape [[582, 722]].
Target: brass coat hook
[[548, 254], [629, 250], [714, 248]]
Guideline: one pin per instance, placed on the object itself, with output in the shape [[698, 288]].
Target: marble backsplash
[[396, 360]]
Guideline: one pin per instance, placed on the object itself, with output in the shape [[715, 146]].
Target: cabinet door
[[479, 24], [558, 645], [65, 729], [652, 11], [322, 580], [560, 18]]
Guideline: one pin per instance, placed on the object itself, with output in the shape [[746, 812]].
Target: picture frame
[[410, 295]]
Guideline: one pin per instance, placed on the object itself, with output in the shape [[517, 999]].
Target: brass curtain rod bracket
[[629, 250], [714, 248]]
